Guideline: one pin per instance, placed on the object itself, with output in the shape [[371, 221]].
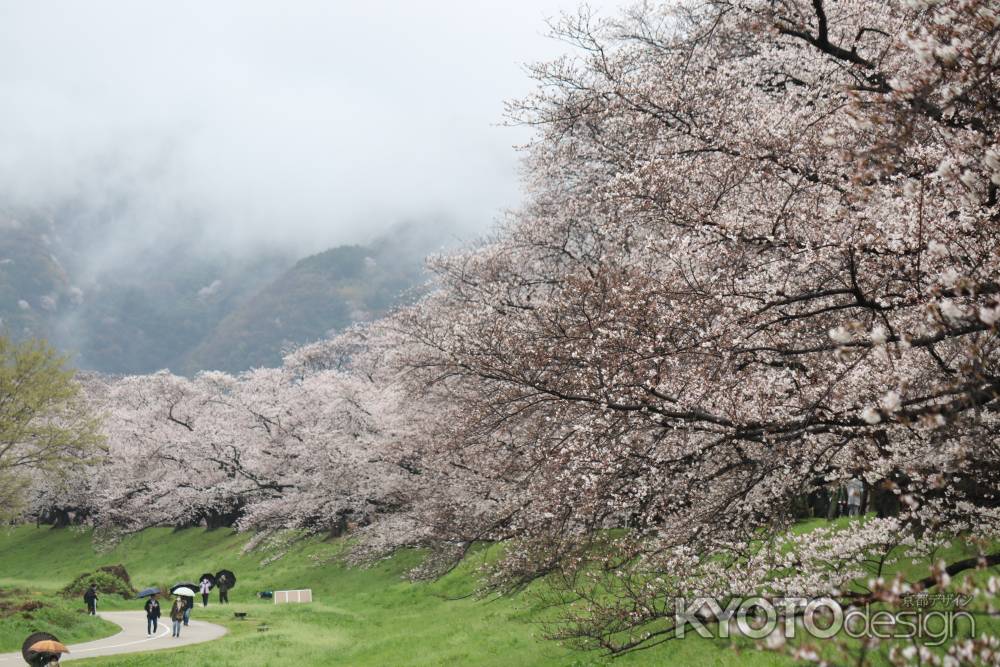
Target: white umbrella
[[183, 591]]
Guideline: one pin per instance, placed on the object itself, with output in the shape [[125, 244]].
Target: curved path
[[132, 638]]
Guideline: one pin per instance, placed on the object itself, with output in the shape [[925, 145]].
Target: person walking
[[152, 615], [205, 587], [90, 597], [177, 615], [188, 606], [855, 489], [223, 584]]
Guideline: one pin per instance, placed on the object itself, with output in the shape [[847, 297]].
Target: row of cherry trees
[[759, 257], [301, 446]]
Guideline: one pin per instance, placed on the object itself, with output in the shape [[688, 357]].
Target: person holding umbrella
[[186, 592], [205, 587], [41, 648], [177, 615], [188, 606], [224, 580], [152, 615]]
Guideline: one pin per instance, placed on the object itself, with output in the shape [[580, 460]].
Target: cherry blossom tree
[[306, 446], [760, 257], [334, 419]]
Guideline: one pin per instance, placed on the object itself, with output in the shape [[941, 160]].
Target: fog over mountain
[[162, 162], [242, 121]]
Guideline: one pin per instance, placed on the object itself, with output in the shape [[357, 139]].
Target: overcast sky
[[312, 120]]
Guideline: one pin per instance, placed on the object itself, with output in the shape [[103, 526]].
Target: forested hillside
[[183, 307], [320, 294]]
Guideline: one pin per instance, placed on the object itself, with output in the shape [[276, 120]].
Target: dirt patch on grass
[[12, 602]]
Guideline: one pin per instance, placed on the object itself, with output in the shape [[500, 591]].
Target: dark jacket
[[152, 608], [90, 596], [177, 611]]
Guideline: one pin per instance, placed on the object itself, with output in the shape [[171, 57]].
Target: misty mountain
[[34, 284], [171, 305], [321, 294], [144, 320]]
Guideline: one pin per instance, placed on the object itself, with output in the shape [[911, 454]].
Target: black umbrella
[[31, 657], [210, 577], [184, 584], [146, 592], [228, 574]]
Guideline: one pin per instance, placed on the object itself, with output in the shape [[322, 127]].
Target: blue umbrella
[[146, 592]]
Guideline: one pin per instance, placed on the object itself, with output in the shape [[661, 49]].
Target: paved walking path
[[133, 638]]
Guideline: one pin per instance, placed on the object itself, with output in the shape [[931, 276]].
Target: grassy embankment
[[23, 611], [360, 617]]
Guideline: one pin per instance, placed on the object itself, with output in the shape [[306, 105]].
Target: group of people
[[848, 498], [180, 610], [180, 613]]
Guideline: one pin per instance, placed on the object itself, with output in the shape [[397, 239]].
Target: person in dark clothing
[[223, 584], [188, 606], [90, 597], [152, 615]]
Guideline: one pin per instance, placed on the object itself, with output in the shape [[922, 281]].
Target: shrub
[[109, 579]]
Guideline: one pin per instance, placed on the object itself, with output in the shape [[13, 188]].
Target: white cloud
[[209, 290], [245, 121]]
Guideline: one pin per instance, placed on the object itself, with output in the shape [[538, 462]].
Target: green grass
[[360, 617], [67, 619]]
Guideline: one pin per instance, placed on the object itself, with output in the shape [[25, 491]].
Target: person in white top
[[205, 587], [855, 489]]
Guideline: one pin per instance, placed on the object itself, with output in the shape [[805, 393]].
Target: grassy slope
[[64, 618], [361, 616]]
